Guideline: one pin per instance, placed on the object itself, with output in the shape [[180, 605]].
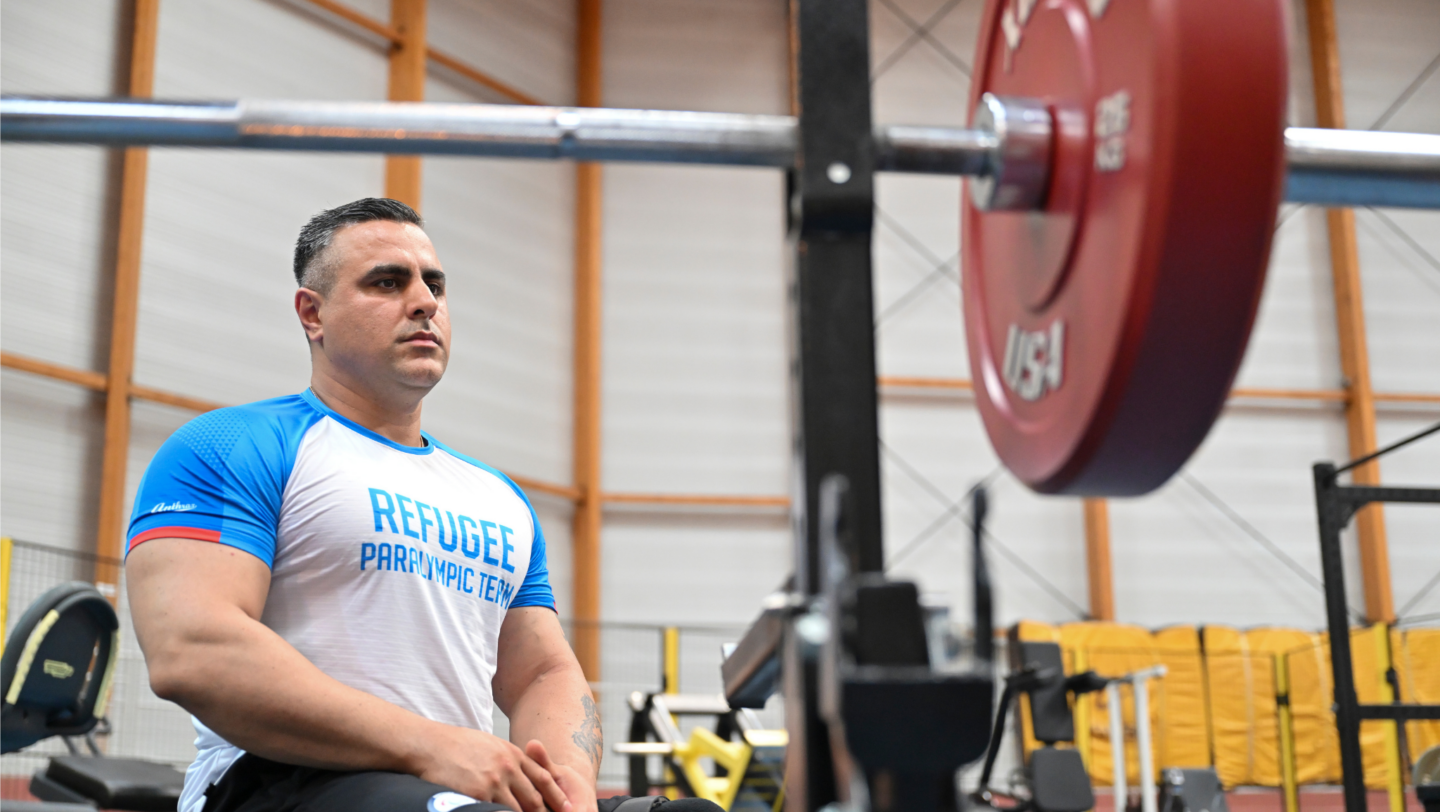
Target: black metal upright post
[[832, 201], [1334, 514], [835, 426]]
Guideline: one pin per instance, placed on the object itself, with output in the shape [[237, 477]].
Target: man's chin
[[421, 376]]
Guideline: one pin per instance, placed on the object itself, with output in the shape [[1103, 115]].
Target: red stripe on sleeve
[[174, 533]]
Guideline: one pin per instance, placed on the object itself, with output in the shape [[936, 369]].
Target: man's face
[[384, 322]]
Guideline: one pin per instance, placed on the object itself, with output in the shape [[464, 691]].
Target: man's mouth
[[423, 338]]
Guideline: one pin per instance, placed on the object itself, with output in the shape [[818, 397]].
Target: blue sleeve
[[221, 478], [535, 589]]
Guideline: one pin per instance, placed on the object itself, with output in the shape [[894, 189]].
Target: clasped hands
[[488, 768]]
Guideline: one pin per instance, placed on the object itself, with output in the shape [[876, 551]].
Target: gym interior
[[625, 351]]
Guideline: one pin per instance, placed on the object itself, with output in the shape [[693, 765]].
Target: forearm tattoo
[[589, 738]]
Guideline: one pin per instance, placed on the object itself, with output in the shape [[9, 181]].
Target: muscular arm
[[540, 687], [196, 607]]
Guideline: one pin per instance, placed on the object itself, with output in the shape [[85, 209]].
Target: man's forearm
[[558, 710], [260, 694]]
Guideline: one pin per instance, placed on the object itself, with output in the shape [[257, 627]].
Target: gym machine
[[748, 758], [1055, 779]]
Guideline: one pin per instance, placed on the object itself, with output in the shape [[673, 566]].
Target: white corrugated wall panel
[[694, 361], [503, 230], [55, 260], [529, 46]]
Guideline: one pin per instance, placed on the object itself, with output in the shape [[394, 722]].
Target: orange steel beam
[[124, 311], [1099, 570], [171, 399], [480, 78], [98, 382], [1350, 321], [365, 21], [82, 377], [435, 55], [1400, 397], [587, 519], [904, 382], [562, 491], [1337, 395], [407, 83]]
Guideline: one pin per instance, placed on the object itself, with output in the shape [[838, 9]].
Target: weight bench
[[56, 673], [1056, 777]]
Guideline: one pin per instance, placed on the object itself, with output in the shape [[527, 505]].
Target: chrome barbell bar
[[1333, 167]]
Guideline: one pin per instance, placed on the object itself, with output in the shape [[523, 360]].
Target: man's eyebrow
[[387, 270], [432, 275]]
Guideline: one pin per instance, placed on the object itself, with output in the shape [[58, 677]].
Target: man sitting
[[339, 598]]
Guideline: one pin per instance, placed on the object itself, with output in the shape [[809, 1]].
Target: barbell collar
[[1332, 167], [1017, 175]]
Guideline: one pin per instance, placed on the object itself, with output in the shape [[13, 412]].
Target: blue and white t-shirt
[[391, 567]]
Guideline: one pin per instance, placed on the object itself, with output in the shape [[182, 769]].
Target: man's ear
[[307, 307]]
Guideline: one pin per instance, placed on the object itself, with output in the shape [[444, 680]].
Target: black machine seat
[[1059, 782], [56, 669], [1050, 717], [55, 675], [118, 783]]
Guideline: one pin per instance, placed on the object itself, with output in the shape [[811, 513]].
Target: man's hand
[[579, 789], [488, 768]]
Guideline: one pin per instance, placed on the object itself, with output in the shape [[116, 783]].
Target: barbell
[[1126, 161], [1337, 167]]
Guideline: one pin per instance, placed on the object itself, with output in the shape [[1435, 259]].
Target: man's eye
[[435, 290], [387, 283]]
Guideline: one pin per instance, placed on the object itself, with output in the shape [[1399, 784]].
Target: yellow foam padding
[[1231, 682], [1317, 751], [1417, 662], [1182, 736], [1369, 677], [1033, 631], [1262, 646], [1113, 650], [1311, 696]]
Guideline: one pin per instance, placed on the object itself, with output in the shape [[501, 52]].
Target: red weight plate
[[1104, 331]]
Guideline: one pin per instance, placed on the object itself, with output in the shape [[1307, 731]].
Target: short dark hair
[[315, 237]]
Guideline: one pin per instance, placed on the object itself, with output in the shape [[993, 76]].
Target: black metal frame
[[833, 397], [1336, 505]]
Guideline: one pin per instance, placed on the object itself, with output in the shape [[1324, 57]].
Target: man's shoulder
[[273, 424], [489, 469]]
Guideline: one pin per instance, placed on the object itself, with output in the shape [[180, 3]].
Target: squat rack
[[1335, 505]]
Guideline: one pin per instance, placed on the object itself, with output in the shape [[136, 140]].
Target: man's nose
[[424, 303]]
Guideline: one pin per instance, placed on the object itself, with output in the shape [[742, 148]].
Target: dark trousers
[[255, 784]]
